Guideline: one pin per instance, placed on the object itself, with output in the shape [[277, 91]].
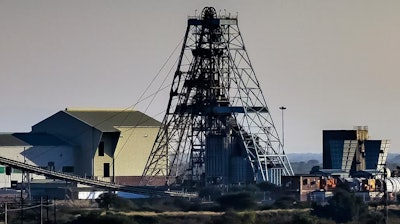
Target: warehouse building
[[107, 145]]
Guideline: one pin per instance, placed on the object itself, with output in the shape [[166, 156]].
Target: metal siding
[[372, 154], [218, 151], [332, 135], [42, 155], [383, 154], [15, 153], [349, 150], [239, 170], [133, 149], [99, 161], [275, 175]]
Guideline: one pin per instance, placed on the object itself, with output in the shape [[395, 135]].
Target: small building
[[300, 186]]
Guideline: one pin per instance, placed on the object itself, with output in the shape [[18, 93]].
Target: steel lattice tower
[[217, 128]]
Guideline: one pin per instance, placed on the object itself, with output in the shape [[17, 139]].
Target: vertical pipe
[[41, 210], [5, 214], [55, 209], [47, 209], [22, 199]]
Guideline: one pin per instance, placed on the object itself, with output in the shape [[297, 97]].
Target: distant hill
[[393, 160], [303, 162], [393, 157], [304, 157]]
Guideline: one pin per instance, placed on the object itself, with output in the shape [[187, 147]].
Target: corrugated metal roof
[[107, 120], [11, 140], [30, 139], [40, 139]]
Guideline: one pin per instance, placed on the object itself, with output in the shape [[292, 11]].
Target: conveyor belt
[[151, 191]]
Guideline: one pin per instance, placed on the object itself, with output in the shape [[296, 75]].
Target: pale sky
[[333, 64]]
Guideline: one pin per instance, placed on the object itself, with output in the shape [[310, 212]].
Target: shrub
[[285, 202], [229, 217], [95, 218], [343, 207], [267, 186], [210, 193], [110, 200], [238, 201]]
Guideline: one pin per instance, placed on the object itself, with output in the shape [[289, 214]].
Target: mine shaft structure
[[217, 128]]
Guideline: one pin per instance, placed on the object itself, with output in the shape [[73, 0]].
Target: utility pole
[[283, 127]]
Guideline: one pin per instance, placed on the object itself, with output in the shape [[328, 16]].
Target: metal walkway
[[151, 191]]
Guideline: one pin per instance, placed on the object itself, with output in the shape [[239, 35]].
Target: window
[[14, 184], [305, 181], [16, 171], [101, 149], [8, 170], [50, 166], [106, 170]]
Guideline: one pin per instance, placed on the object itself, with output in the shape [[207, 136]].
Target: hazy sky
[[333, 64]]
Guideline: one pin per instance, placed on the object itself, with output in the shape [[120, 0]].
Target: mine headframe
[[217, 128]]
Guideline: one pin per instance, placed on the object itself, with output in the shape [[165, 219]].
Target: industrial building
[[301, 186], [107, 145], [351, 151], [350, 158], [217, 129]]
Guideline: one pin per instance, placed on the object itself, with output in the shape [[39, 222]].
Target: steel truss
[[214, 92]]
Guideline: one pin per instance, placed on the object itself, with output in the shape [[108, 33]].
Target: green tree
[[343, 207], [110, 200]]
